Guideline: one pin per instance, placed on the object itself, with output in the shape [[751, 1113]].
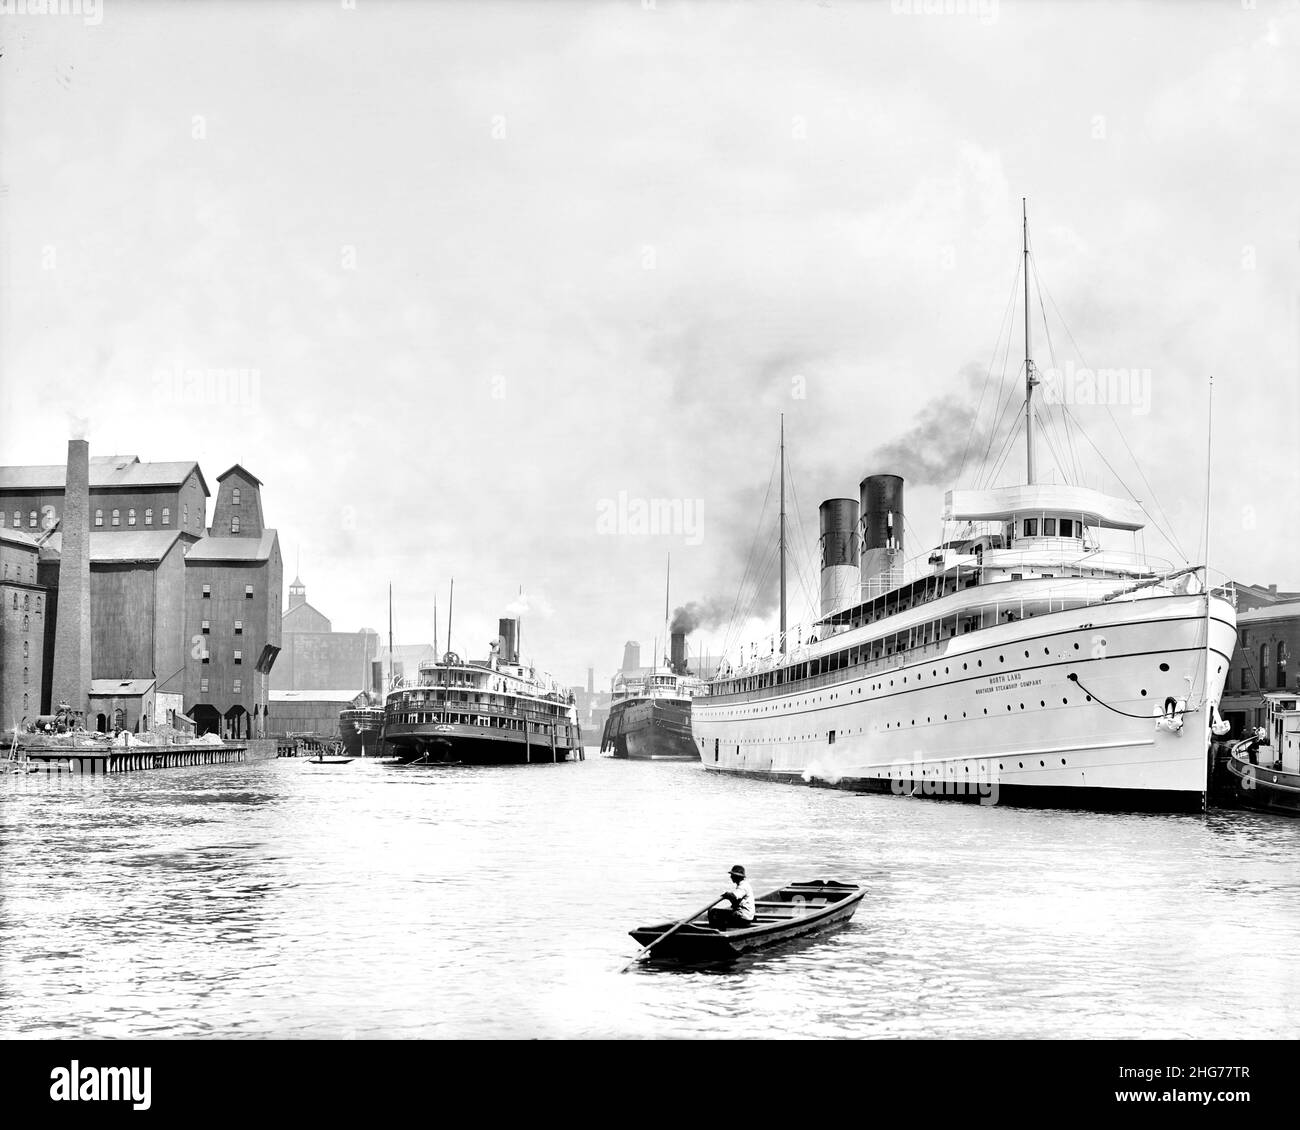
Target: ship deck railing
[[476, 708], [936, 637]]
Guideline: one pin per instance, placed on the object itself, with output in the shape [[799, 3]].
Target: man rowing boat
[[740, 913]]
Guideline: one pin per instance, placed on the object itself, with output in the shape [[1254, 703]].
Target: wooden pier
[[129, 759]]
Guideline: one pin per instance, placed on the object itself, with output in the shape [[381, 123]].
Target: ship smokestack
[[839, 552], [509, 632], [71, 682], [677, 654], [631, 655], [882, 527]]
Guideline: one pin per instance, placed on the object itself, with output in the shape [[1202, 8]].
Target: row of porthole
[[940, 772], [1041, 702], [935, 671]]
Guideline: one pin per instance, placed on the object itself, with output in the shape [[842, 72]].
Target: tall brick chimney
[[72, 631]]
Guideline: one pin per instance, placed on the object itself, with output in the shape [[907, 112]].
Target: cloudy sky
[[468, 285]]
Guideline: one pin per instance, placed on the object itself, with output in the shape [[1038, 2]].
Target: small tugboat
[[650, 716], [650, 713], [361, 728], [1263, 770], [793, 911]]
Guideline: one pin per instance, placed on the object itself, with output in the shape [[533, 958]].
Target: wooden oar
[[688, 918]]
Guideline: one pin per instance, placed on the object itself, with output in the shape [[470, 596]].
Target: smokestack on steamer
[[839, 553], [508, 631], [677, 653], [882, 527], [861, 540]]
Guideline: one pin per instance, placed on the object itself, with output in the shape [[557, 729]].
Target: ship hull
[[480, 745], [650, 729], [364, 737], [1057, 710]]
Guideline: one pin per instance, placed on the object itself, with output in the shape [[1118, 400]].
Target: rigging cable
[[997, 341], [750, 559], [1123, 440], [1007, 444], [1051, 352]]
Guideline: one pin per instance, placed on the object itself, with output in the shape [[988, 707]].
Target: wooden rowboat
[[323, 760], [793, 911]]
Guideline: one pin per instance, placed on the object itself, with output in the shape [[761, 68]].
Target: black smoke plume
[[711, 613], [945, 435]]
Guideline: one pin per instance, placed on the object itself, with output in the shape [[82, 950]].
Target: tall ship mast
[[494, 711], [1024, 659], [650, 712]]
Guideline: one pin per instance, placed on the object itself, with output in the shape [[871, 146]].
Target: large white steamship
[[1023, 659]]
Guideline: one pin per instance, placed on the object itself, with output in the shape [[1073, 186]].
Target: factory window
[[239, 627], [1049, 527], [148, 516], [1031, 527], [31, 519], [1263, 666], [167, 516], [25, 706], [1281, 665], [207, 627], [234, 524], [237, 684], [207, 592], [26, 645], [117, 517], [26, 623], [203, 686], [38, 604], [130, 516], [248, 592], [99, 517], [185, 515], [234, 498], [18, 519], [27, 601], [239, 657]]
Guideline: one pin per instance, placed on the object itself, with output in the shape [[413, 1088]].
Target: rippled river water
[[281, 899]]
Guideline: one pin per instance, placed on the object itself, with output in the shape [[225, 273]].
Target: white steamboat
[[1025, 659]]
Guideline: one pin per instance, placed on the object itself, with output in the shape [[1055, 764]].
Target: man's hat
[[738, 870]]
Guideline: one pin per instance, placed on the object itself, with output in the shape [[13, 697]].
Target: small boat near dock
[[331, 754], [1263, 771], [793, 911]]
